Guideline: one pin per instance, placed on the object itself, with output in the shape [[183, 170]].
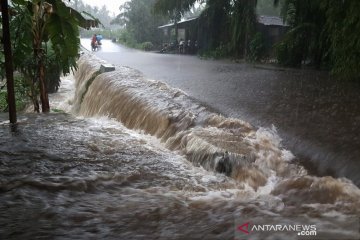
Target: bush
[[20, 95], [289, 53], [147, 46], [257, 47], [127, 39], [221, 51]]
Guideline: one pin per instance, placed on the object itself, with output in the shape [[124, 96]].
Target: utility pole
[[8, 61]]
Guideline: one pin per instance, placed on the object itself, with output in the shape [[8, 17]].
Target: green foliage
[[20, 94], [3, 97], [2, 67], [222, 51], [140, 22], [307, 39], [166, 6], [3, 101], [213, 24], [21, 34], [343, 24], [288, 54], [52, 71], [257, 47], [102, 14], [128, 39], [324, 33], [147, 46], [243, 22], [63, 32], [45, 41], [174, 9], [294, 48], [57, 110]]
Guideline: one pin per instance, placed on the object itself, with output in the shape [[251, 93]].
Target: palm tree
[[243, 20], [343, 27], [307, 38]]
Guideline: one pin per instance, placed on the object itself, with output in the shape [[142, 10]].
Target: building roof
[[183, 21], [262, 19], [271, 20]]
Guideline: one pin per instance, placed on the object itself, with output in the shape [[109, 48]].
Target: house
[[272, 28], [186, 29]]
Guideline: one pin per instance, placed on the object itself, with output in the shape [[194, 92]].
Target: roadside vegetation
[[45, 43], [20, 94], [140, 25], [321, 34]]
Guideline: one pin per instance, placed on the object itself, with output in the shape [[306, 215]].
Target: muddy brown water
[[132, 158], [317, 118]]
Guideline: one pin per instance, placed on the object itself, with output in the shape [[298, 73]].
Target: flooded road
[[132, 158], [317, 117]]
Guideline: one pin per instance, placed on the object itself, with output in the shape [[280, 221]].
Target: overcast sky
[[111, 5]]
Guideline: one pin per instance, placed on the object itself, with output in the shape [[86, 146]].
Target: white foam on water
[[160, 107], [63, 98]]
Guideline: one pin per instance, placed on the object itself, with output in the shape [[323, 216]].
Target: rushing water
[[132, 158], [316, 116]]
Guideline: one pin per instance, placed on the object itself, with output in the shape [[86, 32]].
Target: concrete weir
[[229, 146], [107, 68]]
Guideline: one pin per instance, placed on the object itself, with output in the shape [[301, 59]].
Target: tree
[[5, 39], [343, 28], [243, 20], [215, 21], [307, 39], [324, 33], [102, 14], [39, 25], [168, 7], [140, 21]]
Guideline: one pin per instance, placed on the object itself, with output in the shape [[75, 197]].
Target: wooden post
[[8, 61]]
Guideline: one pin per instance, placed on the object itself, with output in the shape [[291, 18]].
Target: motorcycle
[[94, 46]]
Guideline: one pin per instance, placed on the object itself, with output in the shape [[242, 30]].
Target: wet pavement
[[317, 117]]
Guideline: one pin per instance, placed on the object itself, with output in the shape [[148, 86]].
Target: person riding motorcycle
[[99, 37], [94, 43]]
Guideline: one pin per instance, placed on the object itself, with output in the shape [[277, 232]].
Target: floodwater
[[317, 118], [125, 157]]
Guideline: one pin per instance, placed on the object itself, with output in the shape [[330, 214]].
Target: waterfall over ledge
[[207, 139]]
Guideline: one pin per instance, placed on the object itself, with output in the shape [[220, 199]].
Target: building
[[272, 28], [186, 30]]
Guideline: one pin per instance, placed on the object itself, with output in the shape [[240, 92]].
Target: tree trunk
[[38, 29], [44, 97], [36, 106], [176, 31], [8, 62]]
